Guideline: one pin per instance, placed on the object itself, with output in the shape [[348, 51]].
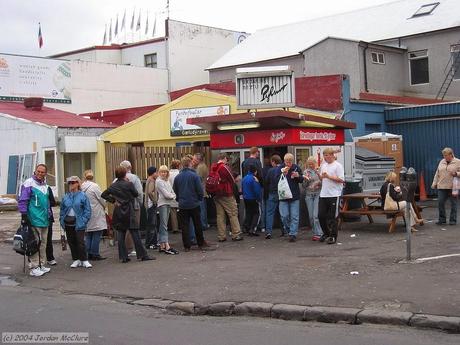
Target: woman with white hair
[[97, 223]]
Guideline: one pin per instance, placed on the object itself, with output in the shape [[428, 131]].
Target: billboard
[[24, 76], [265, 87], [179, 125]]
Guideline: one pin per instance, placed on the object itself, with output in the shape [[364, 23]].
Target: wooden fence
[[143, 157]]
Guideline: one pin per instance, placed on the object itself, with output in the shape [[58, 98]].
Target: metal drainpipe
[[366, 84]]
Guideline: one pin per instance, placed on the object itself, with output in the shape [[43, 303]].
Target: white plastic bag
[[456, 186], [284, 192]]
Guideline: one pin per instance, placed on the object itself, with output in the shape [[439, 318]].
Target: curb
[[291, 312]]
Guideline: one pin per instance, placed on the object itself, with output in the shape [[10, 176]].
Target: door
[[13, 169]]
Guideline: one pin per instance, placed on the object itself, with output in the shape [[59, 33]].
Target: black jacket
[[122, 193]]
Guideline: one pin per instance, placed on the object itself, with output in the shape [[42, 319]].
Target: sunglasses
[[72, 182]]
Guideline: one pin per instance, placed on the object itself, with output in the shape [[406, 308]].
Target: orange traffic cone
[[422, 189]]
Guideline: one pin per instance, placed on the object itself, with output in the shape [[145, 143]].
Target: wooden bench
[[373, 211]]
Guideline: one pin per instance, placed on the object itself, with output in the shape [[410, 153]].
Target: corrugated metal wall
[[426, 130]]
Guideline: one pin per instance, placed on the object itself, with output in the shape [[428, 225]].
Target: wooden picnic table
[[371, 208]]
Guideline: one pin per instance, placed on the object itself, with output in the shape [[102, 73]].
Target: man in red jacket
[[225, 201]]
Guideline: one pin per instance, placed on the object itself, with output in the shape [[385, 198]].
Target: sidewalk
[[278, 272]]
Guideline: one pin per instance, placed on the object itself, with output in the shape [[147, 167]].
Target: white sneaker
[[52, 262], [45, 269], [36, 272], [76, 263], [86, 264], [133, 253]]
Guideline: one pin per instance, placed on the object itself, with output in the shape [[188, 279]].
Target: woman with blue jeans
[[312, 185], [166, 199], [97, 223]]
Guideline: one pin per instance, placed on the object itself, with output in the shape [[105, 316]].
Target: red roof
[[50, 117], [373, 97], [122, 116]]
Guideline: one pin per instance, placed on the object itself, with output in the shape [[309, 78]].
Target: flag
[[154, 26], [138, 25], [132, 20], [116, 28], [123, 21], [104, 42], [147, 24], [40, 37], [110, 31]]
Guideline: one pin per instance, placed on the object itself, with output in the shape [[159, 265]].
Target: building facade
[[404, 48]]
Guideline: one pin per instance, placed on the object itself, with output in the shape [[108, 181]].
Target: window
[[378, 58], [425, 9], [418, 63], [455, 52], [151, 60], [372, 127]]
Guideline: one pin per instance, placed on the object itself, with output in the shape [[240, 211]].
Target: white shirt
[[331, 188]]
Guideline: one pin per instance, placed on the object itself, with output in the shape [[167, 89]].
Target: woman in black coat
[[122, 194]]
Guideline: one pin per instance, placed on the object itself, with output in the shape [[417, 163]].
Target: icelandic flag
[[40, 37]]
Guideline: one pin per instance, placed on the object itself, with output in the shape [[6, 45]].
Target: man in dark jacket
[[289, 208], [271, 195], [189, 195]]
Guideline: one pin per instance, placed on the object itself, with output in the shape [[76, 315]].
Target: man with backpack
[[33, 204], [220, 184]]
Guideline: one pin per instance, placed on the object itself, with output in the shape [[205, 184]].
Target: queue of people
[[176, 195]]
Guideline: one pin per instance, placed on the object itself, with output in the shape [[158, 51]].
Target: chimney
[[33, 103]]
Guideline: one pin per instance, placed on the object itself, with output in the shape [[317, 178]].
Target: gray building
[[405, 48]]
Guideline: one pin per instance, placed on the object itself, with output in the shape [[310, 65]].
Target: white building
[[185, 51], [81, 86], [65, 142]]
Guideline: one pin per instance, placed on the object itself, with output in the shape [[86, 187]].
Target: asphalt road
[[112, 322]]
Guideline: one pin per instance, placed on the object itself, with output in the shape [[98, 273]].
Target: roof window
[[425, 9]]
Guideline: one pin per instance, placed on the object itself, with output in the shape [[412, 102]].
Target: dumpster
[[351, 187], [372, 167]]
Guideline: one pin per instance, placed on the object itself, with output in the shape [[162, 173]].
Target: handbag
[[284, 192], [390, 203], [63, 241]]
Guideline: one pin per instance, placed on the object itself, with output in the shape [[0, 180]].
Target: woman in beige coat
[[97, 223], [448, 168]]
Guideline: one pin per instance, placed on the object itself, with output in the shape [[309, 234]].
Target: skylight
[[425, 9]]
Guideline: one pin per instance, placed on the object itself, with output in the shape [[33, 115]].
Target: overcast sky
[[73, 24]]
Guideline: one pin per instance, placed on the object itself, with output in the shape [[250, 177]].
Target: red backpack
[[213, 180]]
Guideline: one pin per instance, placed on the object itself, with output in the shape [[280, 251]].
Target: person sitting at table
[[392, 199]]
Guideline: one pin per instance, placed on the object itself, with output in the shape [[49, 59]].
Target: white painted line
[[436, 257]]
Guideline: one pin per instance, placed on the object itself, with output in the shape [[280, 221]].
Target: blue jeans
[[312, 201], [262, 207], [163, 226], [204, 214], [271, 206], [92, 239], [151, 231], [443, 195], [289, 211]]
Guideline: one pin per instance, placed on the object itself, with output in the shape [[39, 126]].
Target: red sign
[[278, 137]]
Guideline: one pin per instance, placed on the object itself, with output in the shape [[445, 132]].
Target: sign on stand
[[265, 87]]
